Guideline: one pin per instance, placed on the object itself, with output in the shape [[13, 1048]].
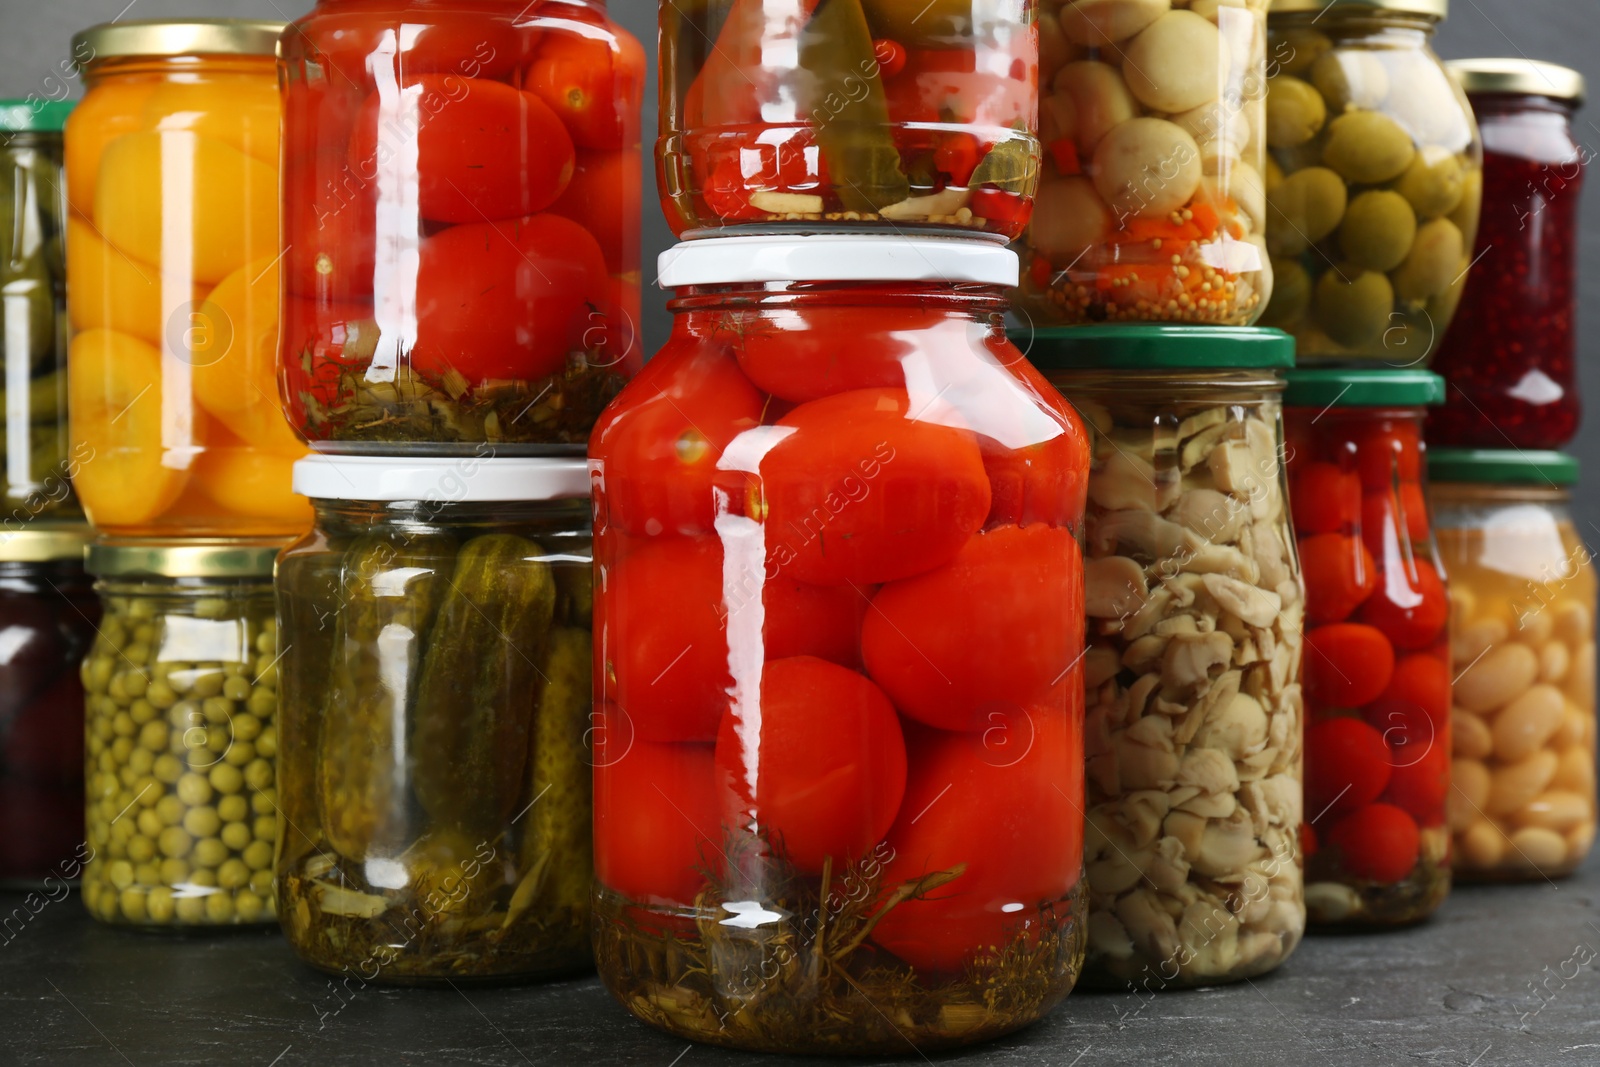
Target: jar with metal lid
[[34, 451], [839, 631], [794, 116], [1377, 648], [1373, 183], [48, 614], [436, 719], [461, 198], [1522, 602], [172, 255], [1152, 206], [1194, 606], [1510, 359], [182, 699]]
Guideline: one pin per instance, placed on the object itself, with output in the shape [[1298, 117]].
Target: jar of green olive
[[1374, 179], [181, 733]]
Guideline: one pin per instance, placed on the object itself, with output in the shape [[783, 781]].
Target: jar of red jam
[[461, 196], [48, 614], [839, 628], [794, 115], [1377, 649], [1510, 359]]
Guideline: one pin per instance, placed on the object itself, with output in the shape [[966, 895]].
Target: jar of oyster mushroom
[[1194, 604]]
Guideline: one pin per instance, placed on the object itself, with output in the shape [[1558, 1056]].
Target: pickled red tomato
[[1347, 767], [861, 492], [1414, 711], [466, 44], [324, 340], [1389, 519], [657, 820], [814, 620], [1018, 595], [1420, 782], [802, 354], [594, 84], [500, 300], [1409, 604], [333, 247], [603, 186], [1339, 573], [1379, 843], [1324, 499], [1015, 822], [828, 758], [667, 432], [1388, 451], [1046, 482], [485, 150], [1347, 665]]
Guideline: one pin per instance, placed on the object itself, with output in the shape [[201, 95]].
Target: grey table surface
[[1502, 976]]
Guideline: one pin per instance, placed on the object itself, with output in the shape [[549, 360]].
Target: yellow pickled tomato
[[110, 289], [242, 110], [246, 481], [232, 343], [232, 203], [117, 420], [105, 113]]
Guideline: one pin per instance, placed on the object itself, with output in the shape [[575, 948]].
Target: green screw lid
[[199, 558], [30, 116], [1348, 387], [1501, 466], [1155, 347]]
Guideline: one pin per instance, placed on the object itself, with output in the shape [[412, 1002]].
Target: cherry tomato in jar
[[668, 432], [657, 820], [1045, 482], [1339, 574], [1390, 520], [1420, 782], [1414, 710], [354, 46], [486, 152], [1409, 604], [1010, 824], [1308, 840], [333, 247], [1324, 499], [865, 489], [1347, 767], [828, 759], [1000, 625], [803, 354], [1347, 665], [1388, 451], [498, 301], [607, 329], [595, 84], [599, 198], [1378, 843], [322, 345], [1011, 211], [813, 620], [666, 639]]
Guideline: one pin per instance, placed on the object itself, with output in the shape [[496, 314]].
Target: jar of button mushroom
[[436, 720], [1151, 204], [182, 735], [1522, 602], [1194, 604], [1373, 184], [1377, 669]]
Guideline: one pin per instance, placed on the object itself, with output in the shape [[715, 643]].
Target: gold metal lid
[[1522, 77], [179, 37], [44, 542], [190, 558], [1433, 9]]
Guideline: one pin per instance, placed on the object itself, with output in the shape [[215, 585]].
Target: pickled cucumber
[[558, 838]]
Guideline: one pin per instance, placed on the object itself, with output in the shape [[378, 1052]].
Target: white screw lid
[[443, 479], [838, 258]]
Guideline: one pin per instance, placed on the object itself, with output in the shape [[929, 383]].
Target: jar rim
[[442, 479], [1502, 466], [1156, 347], [1434, 9], [194, 558], [1350, 387], [837, 258], [1519, 77], [46, 543]]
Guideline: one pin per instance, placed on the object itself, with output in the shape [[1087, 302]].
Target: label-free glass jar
[[839, 628], [793, 115], [1522, 598], [436, 720], [182, 735], [1377, 648], [1152, 205], [173, 257], [1373, 184], [1510, 359], [461, 212], [1194, 609], [48, 613], [38, 464]]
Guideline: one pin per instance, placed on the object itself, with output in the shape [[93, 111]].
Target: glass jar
[[1151, 206], [1377, 651], [1522, 600], [173, 250], [462, 213], [48, 615], [1194, 607], [436, 720], [795, 116], [38, 473], [1511, 357], [182, 734], [829, 591], [1374, 180]]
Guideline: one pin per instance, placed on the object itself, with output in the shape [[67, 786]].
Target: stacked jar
[[460, 302]]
